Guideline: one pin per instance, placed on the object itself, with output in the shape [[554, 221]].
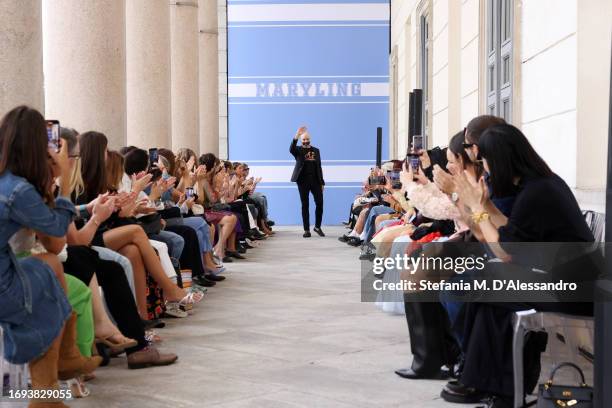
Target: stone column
[[84, 53], [209, 77], [21, 55], [184, 74], [147, 41]]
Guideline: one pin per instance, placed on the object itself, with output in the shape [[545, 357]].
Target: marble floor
[[286, 329]]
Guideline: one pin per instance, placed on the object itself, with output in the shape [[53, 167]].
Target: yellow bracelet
[[478, 217]]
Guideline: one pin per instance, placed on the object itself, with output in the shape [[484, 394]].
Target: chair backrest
[[597, 223]]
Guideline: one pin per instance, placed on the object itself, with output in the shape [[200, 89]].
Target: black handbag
[[170, 212], [565, 396], [151, 223]]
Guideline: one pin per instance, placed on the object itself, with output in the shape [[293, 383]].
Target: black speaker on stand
[[410, 116], [418, 113], [378, 147]]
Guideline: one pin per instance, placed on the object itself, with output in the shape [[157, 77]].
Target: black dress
[[545, 210]]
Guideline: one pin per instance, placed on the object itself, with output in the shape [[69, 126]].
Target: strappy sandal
[[78, 388], [173, 309], [117, 346], [191, 298], [152, 337]]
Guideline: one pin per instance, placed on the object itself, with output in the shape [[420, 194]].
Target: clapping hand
[[142, 207], [141, 181], [128, 206], [201, 173], [103, 208], [444, 180], [190, 163], [472, 193]]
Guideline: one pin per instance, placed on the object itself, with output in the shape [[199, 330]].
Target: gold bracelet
[[478, 217], [95, 221]]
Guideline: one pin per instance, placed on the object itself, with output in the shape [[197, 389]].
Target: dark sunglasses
[[468, 145]]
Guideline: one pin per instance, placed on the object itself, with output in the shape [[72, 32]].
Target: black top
[[545, 210], [307, 162]]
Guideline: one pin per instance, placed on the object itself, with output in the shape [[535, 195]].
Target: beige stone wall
[[21, 55], [209, 76], [147, 41], [84, 65], [184, 76], [593, 43]]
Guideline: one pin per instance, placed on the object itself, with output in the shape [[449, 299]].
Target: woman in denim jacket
[[37, 321]]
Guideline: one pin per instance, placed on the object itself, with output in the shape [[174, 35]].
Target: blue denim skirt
[[33, 309]]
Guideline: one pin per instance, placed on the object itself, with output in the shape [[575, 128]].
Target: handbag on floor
[[565, 396]]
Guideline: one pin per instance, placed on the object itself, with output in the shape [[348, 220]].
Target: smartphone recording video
[[53, 134], [377, 180], [189, 192], [153, 157], [394, 176]]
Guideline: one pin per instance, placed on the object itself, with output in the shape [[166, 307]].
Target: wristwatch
[[454, 197]]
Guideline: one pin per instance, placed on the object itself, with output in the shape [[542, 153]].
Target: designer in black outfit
[[309, 177]]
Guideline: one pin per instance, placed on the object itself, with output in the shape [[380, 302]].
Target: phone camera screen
[[53, 134]]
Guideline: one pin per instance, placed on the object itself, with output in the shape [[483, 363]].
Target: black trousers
[[306, 186], [191, 257], [431, 341], [82, 263]]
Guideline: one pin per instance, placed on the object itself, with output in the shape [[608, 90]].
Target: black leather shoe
[[354, 241], [246, 245], [153, 324], [413, 375], [458, 393], [214, 278], [241, 249], [234, 254], [227, 259], [319, 231], [202, 281], [306, 234], [343, 238]]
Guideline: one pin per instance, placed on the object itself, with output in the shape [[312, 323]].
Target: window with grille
[[499, 58], [425, 80]]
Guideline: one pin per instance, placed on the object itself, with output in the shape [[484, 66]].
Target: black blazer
[[296, 151]]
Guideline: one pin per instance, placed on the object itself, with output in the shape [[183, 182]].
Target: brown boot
[[71, 362], [43, 375]]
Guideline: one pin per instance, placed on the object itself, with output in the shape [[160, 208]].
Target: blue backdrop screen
[[313, 63]]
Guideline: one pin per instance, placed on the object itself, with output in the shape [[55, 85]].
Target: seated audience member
[[204, 268], [208, 183], [86, 264], [38, 324], [544, 210], [121, 233], [434, 347]]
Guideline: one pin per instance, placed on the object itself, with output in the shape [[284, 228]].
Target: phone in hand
[[189, 192], [377, 180], [417, 144], [153, 157], [53, 134], [415, 163], [394, 176]]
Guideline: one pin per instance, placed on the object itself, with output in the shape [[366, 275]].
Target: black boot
[[431, 341]]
